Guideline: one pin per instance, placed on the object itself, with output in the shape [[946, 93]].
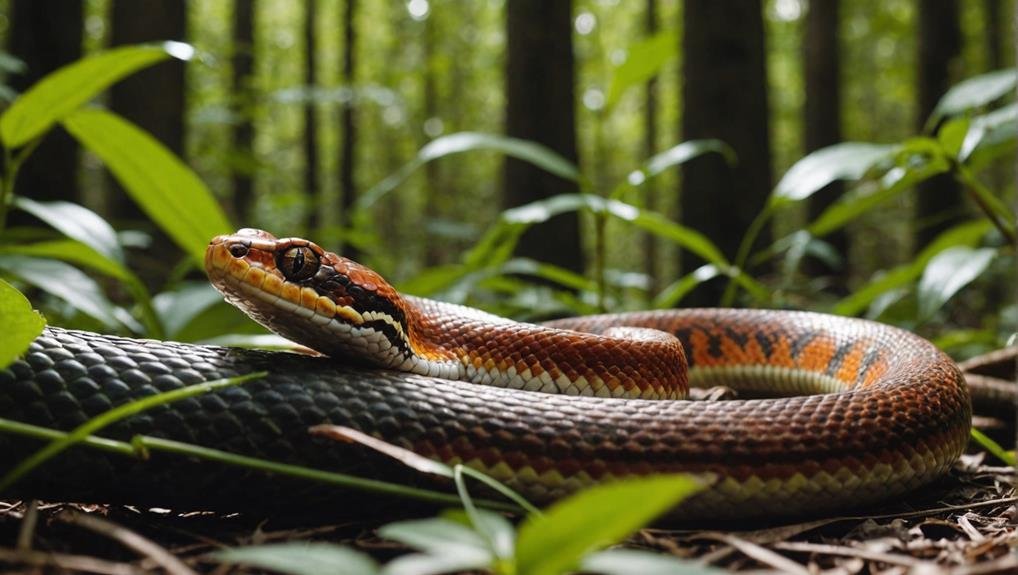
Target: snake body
[[868, 411]]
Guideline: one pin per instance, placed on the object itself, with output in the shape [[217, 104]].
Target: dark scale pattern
[[772, 457]]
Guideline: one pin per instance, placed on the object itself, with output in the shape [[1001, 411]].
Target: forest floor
[[965, 524]]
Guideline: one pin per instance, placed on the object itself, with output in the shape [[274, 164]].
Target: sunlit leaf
[[636, 562], [65, 282], [179, 307], [673, 294], [973, 92], [301, 559], [73, 252], [163, 186], [965, 234], [952, 134], [78, 223], [993, 129], [643, 61], [860, 201], [436, 535], [66, 89], [845, 161], [948, 272], [677, 155], [595, 518], [21, 324], [532, 152]]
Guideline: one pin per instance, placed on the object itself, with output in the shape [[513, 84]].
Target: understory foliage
[[76, 270]]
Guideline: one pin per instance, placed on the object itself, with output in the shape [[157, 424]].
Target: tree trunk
[[433, 250], [348, 125], [316, 204], [823, 118], [995, 23], [939, 202], [540, 107], [242, 134], [724, 94], [650, 118], [45, 38]]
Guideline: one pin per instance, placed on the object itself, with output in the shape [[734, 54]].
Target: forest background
[[379, 129]]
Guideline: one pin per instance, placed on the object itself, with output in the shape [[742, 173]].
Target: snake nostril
[[238, 250]]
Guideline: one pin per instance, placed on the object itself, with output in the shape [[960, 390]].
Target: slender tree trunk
[[724, 96], [315, 202], [45, 38], [154, 99], [433, 250], [540, 76], [823, 117], [939, 202], [995, 23], [650, 118], [242, 134], [348, 124]]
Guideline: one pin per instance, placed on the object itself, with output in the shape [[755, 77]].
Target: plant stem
[[742, 255], [12, 163], [141, 444], [983, 198]]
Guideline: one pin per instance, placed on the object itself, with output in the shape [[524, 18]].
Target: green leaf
[[862, 200], [845, 161], [301, 559], [179, 307], [993, 129], [948, 272], [78, 223], [677, 155], [965, 234], [437, 536], [643, 61], [532, 152], [973, 92], [71, 251], [66, 89], [595, 518], [21, 323], [635, 562], [1008, 457], [952, 135], [673, 294], [64, 282], [163, 186]]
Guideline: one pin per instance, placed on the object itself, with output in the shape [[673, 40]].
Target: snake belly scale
[[867, 411]]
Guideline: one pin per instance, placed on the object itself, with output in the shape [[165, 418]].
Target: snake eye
[[238, 250], [298, 263]]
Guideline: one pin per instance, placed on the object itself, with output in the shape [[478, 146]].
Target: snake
[[833, 413]]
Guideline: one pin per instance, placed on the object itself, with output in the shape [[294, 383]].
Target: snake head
[[319, 299]]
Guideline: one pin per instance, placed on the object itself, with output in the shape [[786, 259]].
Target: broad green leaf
[[434, 279], [301, 559], [952, 135], [862, 200], [532, 152], [65, 282], [177, 308], [636, 562], [673, 294], [993, 129], [643, 61], [78, 223], [973, 92], [948, 272], [165, 188], [66, 89], [956, 338], [845, 161], [21, 324], [965, 234], [595, 518], [677, 155], [71, 251], [553, 273], [438, 536]]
